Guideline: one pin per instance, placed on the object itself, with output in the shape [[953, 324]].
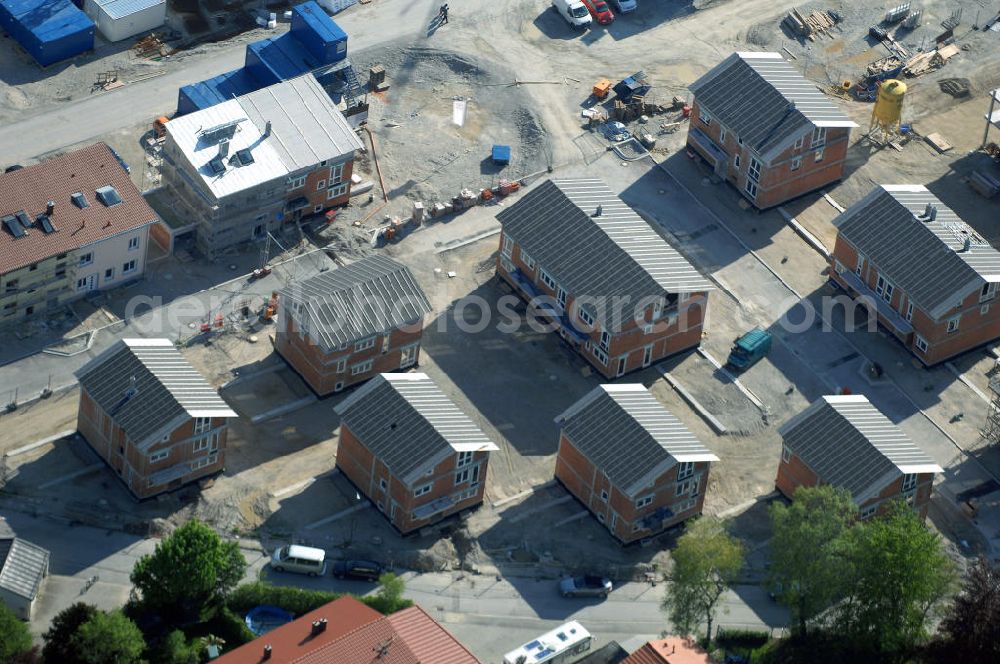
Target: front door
[[409, 357], [647, 355]]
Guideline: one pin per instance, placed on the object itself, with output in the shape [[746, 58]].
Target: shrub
[[296, 601], [741, 638]]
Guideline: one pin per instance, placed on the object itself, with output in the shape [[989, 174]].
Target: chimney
[[599, 211], [223, 149], [50, 208], [318, 626], [267, 129], [267, 652]]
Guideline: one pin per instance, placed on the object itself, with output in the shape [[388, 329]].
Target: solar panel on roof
[[224, 131], [13, 226], [46, 223], [217, 166], [245, 156]]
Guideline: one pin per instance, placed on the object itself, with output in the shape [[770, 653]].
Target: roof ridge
[[420, 609]]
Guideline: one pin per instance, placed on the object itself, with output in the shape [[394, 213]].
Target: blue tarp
[[49, 30]]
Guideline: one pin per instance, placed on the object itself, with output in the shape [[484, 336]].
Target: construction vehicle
[[749, 349], [160, 127]]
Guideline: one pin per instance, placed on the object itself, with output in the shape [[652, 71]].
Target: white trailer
[[120, 19], [562, 645]]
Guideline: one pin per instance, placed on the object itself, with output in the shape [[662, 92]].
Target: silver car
[[584, 586]]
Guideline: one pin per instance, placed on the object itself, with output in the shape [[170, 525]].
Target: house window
[[786, 453], [953, 323], [12, 286], [561, 297], [361, 368], [508, 246], [605, 339], [642, 502], [754, 171], [317, 208], [920, 343], [883, 288], [683, 488], [983, 310], [722, 135], [129, 267], [818, 156], [422, 490], [200, 444], [204, 461], [685, 469], [464, 459], [736, 162], [109, 274], [133, 244], [159, 456], [586, 317], [751, 188], [796, 163], [336, 192], [601, 355], [547, 279], [296, 182], [909, 311], [798, 143], [32, 267], [86, 259], [909, 481], [739, 140], [10, 308], [869, 512], [202, 424], [988, 292], [683, 297], [365, 344], [336, 173], [604, 495], [861, 264], [818, 137], [341, 365], [600, 517], [706, 119], [462, 476], [528, 261], [382, 484]]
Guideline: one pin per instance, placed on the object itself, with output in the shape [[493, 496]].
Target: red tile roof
[[356, 634], [56, 179], [671, 650]]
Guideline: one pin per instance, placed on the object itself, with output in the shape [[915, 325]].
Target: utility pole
[[994, 96]]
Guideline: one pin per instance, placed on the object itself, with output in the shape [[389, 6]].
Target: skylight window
[[109, 196], [80, 200]]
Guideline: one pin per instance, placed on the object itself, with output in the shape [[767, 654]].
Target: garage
[[121, 19]]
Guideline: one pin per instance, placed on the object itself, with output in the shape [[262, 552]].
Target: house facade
[[347, 325], [245, 167], [71, 226], [151, 416], [931, 278], [595, 271], [631, 462], [766, 130], [845, 442], [411, 451]]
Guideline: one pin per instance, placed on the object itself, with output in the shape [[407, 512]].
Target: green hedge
[[741, 638], [298, 601]]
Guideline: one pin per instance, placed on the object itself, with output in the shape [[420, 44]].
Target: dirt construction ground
[[280, 482]]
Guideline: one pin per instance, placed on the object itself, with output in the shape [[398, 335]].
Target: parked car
[[302, 559], [600, 11], [584, 586], [749, 349], [357, 569], [625, 6], [573, 11]]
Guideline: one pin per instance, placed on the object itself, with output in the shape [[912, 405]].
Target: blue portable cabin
[[204, 94], [274, 60], [318, 33], [49, 30]]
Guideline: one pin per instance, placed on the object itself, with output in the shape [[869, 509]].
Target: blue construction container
[[318, 33], [274, 60], [224, 87], [49, 30]]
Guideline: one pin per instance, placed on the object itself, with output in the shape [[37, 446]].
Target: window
[[321, 185], [683, 297], [336, 192], [108, 196], [129, 267], [508, 246], [786, 453], [684, 487], [706, 119], [336, 173], [341, 364], [861, 264], [869, 512], [586, 317], [642, 502], [464, 459], [204, 461], [685, 469], [601, 355], [80, 200], [983, 310], [818, 137], [883, 288], [109, 274], [909, 481], [422, 490], [202, 424], [361, 368], [133, 244], [86, 259], [365, 344], [200, 444], [600, 517], [604, 495], [736, 162], [159, 456], [739, 140], [953, 323], [561, 297], [988, 292], [722, 135], [798, 143], [10, 308], [296, 182], [11, 286], [920, 343], [605, 339], [382, 484], [909, 311], [547, 279], [82, 284], [32, 267], [462, 476], [796, 163], [754, 171], [751, 188], [528, 261]]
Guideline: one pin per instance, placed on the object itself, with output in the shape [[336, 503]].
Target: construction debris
[[938, 143], [897, 14], [818, 22], [956, 87], [923, 63], [151, 46], [107, 80]]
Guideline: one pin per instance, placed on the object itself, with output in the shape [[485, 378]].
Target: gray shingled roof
[[409, 424], [614, 254], [23, 565], [923, 259], [849, 443], [370, 296], [144, 385], [763, 99], [628, 434]]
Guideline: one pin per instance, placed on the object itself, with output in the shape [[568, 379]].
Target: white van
[[302, 559], [625, 6], [573, 11]]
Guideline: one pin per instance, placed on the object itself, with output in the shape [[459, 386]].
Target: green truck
[[748, 349]]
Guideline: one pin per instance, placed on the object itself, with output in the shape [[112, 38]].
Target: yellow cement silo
[[888, 107]]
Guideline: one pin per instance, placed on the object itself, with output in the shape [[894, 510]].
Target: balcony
[[654, 520], [436, 506], [884, 309], [713, 153], [567, 329]]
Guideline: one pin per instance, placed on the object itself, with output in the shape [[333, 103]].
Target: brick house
[[410, 450], [346, 325], [71, 225], [846, 442], [615, 290], [151, 416], [244, 167], [634, 465], [767, 130], [930, 276], [345, 631], [671, 650]]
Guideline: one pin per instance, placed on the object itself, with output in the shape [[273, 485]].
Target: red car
[[600, 11]]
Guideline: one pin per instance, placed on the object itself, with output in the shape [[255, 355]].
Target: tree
[[64, 625], [191, 570], [15, 639], [971, 627], [808, 562], [175, 649], [390, 592], [108, 638], [706, 560], [901, 576]]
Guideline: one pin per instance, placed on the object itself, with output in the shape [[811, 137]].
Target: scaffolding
[[991, 432]]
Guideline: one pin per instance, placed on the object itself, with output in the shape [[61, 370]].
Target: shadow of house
[[954, 191]]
